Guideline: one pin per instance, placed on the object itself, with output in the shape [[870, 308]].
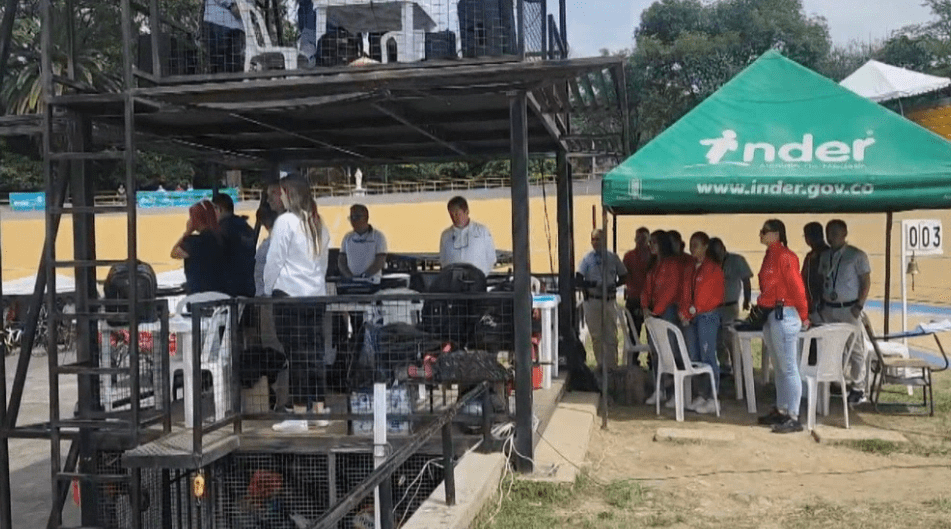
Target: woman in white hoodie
[[296, 266]]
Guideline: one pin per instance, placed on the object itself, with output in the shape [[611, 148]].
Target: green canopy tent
[[780, 138]]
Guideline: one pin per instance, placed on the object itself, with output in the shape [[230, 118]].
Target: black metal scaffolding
[[512, 105]]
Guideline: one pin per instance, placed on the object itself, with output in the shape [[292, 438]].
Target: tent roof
[[883, 82], [779, 138]]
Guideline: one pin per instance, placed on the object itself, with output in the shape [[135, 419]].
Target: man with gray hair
[[847, 279], [603, 331]]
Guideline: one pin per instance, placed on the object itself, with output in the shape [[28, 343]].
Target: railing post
[[195, 368], [384, 492], [486, 421], [449, 470]]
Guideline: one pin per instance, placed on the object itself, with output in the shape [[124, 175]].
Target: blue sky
[[596, 24]]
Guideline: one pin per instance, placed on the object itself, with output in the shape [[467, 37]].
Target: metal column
[[518, 113]]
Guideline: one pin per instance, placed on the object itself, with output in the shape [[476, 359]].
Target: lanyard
[[834, 277]]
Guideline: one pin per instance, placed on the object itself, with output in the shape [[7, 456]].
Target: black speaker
[[441, 45], [487, 28]]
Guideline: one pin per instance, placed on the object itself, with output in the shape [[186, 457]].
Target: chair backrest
[[659, 331], [255, 31], [833, 341], [879, 357], [630, 340]]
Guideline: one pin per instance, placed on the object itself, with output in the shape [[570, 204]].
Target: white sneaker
[[696, 403], [323, 423], [672, 403], [653, 398], [291, 426], [708, 407]]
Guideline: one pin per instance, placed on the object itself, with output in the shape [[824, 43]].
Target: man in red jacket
[[637, 261]]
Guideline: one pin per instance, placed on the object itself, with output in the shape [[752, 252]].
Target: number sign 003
[[923, 237]]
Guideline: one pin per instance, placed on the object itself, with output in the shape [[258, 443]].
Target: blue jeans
[[307, 24], [701, 338], [782, 337]]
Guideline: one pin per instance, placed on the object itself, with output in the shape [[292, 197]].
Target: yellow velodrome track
[[415, 227]]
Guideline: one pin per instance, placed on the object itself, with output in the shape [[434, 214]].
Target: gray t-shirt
[[590, 268], [735, 270], [841, 270]]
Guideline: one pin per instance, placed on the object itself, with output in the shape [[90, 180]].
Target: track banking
[[811, 191]]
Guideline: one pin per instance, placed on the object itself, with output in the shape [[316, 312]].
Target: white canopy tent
[[883, 82]]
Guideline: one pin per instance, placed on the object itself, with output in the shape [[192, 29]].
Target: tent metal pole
[[614, 232], [888, 268], [605, 313]]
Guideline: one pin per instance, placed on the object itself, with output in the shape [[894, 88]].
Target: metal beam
[[432, 133], [556, 132], [521, 268]]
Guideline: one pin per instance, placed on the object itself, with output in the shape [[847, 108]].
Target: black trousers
[[299, 328]]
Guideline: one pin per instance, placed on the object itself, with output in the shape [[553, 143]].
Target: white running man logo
[[720, 146]]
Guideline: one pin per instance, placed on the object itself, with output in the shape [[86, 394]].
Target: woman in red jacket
[[700, 295], [783, 295], [662, 289]]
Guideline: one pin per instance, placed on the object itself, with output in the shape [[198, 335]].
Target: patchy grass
[[623, 504]]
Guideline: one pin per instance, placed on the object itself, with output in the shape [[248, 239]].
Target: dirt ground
[[759, 470], [761, 479]]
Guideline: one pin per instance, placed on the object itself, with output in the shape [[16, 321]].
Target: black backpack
[[117, 287], [453, 320]]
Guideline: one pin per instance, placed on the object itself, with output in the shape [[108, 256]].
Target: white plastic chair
[[833, 342], [659, 332], [215, 354], [258, 41], [632, 347], [410, 45]]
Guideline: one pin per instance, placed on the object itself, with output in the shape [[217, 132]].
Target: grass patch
[[939, 504], [540, 505], [873, 446]]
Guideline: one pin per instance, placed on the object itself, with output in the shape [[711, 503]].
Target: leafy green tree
[[687, 49]]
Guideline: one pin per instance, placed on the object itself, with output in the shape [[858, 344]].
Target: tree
[[687, 49], [842, 61]]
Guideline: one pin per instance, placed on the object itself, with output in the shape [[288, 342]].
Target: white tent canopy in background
[[882, 82]]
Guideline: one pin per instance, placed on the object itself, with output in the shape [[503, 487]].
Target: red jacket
[[702, 289], [780, 279], [662, 288], [636, 261]]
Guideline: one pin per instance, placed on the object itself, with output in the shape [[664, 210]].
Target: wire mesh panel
[[323, 355], [166, 501], [115, 351], [271, 490], [255, 35]]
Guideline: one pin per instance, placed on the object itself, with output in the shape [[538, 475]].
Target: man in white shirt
[[363, 250], [466, 241], [847, 274]]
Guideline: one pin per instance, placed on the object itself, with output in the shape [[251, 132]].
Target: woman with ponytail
[[296, 266], [783, 296]]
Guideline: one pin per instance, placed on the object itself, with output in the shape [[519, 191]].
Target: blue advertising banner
[[144, 199], [28, 201], [176, 199]]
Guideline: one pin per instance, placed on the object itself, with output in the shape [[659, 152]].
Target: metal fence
[[259, 35]]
